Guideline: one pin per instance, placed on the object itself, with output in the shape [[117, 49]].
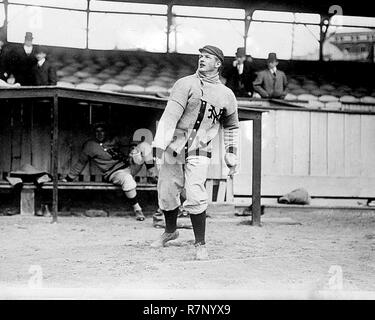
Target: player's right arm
[[171, 115], [80, 164]]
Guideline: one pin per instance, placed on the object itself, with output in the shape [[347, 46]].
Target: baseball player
[[115, 166], [198, 105]]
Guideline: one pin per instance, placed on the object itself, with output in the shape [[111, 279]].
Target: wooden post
[[257, 162], [54, 160], [27, 202]]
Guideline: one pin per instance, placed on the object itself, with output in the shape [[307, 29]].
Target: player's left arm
[[230, 123]]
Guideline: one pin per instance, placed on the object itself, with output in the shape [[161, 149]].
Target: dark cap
[[100, 124], [213, 50], [240, 52], [272, 57], [28, 35], [41, 49]]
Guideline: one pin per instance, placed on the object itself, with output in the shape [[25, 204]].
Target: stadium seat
[[307, 97], [110, 87], [368, 99], [70, 79], [155, 89], [328, 98], [87, 86], [133, 88], [348, 98], [290, 97], [327, 87], [298, 91], [93, 80], [65, 84], [81, 74]]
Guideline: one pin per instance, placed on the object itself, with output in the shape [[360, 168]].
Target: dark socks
[[199, 226], [133, 201], [170, 220]]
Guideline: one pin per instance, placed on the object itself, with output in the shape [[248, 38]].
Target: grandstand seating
[[155, 73]]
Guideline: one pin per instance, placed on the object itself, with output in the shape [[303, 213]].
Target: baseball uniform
[[198, 105]]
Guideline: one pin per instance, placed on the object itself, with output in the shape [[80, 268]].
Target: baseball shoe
[[201, 252], [164, 238], [139, 215]]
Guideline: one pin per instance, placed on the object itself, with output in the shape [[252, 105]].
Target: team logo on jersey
[[214, 115]]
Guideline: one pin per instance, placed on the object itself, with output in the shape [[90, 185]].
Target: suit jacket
[[4, 63], [22, 64], [44, 75], [241, 84], [270, 86]]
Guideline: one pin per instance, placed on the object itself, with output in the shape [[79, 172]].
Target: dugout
[[46, 127]]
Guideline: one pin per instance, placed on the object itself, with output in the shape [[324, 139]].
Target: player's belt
[[199, 152], [196, 127]]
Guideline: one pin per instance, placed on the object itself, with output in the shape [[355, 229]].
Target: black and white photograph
[[186, 150]]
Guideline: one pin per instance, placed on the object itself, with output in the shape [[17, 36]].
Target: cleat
[[139, 215], [164, 238]]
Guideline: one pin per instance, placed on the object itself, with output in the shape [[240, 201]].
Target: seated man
[[115, 166], [271, 83]]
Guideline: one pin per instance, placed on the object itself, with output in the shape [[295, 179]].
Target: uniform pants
[[187, 178]]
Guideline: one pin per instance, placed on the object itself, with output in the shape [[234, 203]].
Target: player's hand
[[152, 175], [232, 171], [158, 157], [231, 162]]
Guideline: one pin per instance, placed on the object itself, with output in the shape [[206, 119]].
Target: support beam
[[257, 163], [55, 156], [248, 18], [169, 25]]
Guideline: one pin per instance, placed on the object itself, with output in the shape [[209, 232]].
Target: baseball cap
[[213, 50]]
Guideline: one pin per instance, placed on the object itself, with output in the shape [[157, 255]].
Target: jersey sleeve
[[180, 92]]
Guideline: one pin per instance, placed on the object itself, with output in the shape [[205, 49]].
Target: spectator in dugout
[[22, 59], [240, 74], [44, 73], [271, 83]]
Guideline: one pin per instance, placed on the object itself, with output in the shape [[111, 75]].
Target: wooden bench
[[219, 190]]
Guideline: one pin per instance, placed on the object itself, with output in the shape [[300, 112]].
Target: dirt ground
[[295, 255]]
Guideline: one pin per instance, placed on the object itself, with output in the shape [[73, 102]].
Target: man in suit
[[271, 83], [44, 73], [22, 61], [240, 75], [4, 69]]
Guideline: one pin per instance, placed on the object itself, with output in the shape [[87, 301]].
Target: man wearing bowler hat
[[198, 106], [23, 60], [43, 71], [239, 75], [271, 83]]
